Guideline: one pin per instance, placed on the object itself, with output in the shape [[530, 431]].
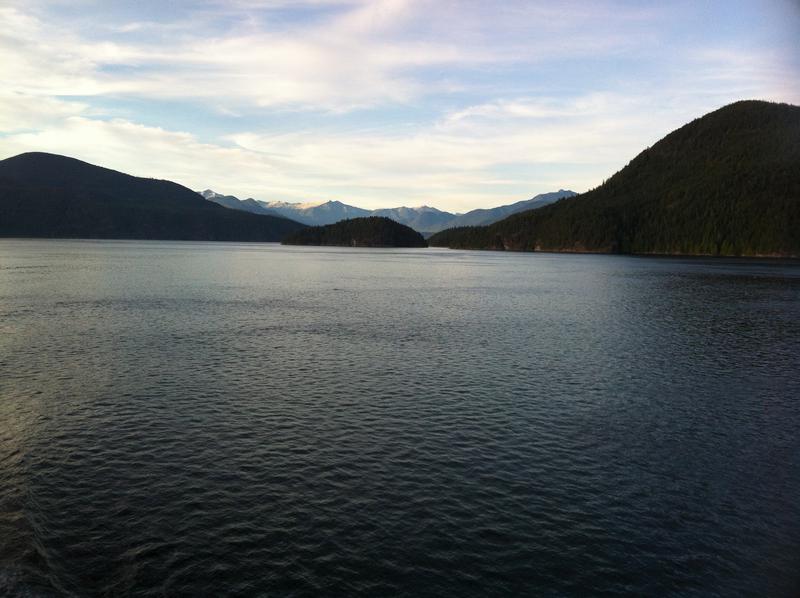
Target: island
[[372, 231]]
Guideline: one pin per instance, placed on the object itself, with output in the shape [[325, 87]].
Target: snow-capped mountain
[[316, 214], [247, 205], [424, 219]]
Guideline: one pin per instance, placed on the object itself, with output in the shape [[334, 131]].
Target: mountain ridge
[[726, 183], [425, 219], [48, 195]]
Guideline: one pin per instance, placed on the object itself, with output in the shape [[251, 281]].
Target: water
[[222, 419]]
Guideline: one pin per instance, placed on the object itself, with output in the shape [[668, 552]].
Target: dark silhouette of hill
[[727, 183], [372, 231], [47, 195]]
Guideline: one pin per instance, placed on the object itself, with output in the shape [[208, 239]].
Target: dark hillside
[[373, 231], [725, 184], [46, 195]]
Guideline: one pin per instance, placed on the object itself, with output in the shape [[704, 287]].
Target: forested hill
[[373, 231], [725, 184], [46, 195]]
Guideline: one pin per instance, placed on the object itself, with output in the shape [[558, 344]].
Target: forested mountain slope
[[47, 195], [727, 183]]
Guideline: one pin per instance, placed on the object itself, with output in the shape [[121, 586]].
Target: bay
[[252, 419]]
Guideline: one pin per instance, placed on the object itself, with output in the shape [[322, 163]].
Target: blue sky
[[455, 104]]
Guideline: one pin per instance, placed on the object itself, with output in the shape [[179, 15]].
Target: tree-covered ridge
[[725, 184], [46, 195], [372, 231]]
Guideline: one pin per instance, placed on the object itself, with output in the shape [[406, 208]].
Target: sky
[[456, 104]]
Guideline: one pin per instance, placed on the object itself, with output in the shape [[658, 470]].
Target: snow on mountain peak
[[209, 194]]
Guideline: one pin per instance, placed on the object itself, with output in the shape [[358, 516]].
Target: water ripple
[[245, 420]]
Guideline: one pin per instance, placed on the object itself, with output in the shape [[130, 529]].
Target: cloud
[[348, 55], [361, 54], [20, 112], [458, 163], [339, 65], [754, 74]]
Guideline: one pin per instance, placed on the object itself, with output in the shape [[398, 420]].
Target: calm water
[[219, 419]]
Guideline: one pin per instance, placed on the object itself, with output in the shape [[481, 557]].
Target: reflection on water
[[208, 419]]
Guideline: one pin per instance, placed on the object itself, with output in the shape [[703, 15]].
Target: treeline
[[725, 184], [371, 231]]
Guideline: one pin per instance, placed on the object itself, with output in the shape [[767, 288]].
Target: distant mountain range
[[47, 195], [727, 183], [424, 219]]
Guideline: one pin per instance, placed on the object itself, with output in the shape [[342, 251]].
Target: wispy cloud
[[342, 64], [459, 163]]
